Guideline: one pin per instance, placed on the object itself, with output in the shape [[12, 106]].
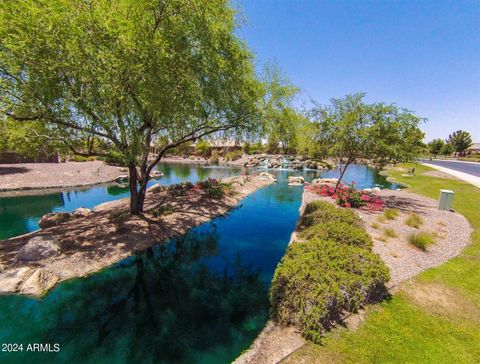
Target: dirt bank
[[28, 176], [90, 243]]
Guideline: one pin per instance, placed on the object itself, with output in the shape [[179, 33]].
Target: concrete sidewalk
[[474, 180]]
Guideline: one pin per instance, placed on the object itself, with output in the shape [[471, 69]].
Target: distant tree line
[[457, 143]]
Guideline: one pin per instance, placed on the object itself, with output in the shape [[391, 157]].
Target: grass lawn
[[433, 319]]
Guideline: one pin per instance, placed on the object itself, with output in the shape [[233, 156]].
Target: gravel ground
[[26, 176]]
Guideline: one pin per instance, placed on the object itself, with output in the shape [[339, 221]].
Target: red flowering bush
[[348, 196]]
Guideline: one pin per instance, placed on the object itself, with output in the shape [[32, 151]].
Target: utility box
[[446, 199]]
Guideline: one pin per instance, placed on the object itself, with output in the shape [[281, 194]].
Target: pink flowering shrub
[[348, 196]]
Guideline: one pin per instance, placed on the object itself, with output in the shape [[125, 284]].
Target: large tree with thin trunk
[[109, 78], [351, 130]]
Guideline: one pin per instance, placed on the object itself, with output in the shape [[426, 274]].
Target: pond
[[201, 298]]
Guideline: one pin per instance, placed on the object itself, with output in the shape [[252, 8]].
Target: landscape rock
[[122, 178], [39, 282], [39, 247], [10, 280], [54, 219], [324, 181], [81, 212]]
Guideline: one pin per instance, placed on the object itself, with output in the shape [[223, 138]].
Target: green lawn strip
[[400, 330]]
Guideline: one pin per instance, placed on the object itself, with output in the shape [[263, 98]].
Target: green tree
[[460, 140], [281, 119], [447, 149], [435, 146], [126, 73], [203, 147], [352, 130]]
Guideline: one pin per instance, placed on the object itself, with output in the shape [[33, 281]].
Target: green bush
[[421, 240], [318, 204], [339, 232], [80, 158], [414, 221], [317, 281], [233, 155], [324, 213], [214, 158], [390, 214]]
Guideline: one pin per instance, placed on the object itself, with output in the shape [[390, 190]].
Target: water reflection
[[165, 305]]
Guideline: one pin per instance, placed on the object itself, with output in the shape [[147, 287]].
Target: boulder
[[39, 247], [156, 174], [39, 282], [54, 219], [266, 175], [9, 281], [81, 212], [296, 179], [324, 181], [122, 178]]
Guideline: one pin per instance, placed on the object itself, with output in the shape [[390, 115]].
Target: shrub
[[162, 210], [414, 221], [317, 281], [375, 225], [391, 214], [233, 155], [203, 147], [322, 215], [389, 233], [339, 232], [315, 205], [348, 196], [81, 158], [214, 188], [214, 157], [421, 240]]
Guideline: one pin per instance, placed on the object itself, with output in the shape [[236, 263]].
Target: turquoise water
[[201, 298], [20, 214]]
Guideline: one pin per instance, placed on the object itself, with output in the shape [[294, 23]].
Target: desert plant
[[375, 225], [315, 205], [414, 220], [339, 232], [322, 215], [214, 158], [162, 210], [233, 155], [421, 240], [317, 281], [391, 214], [389, 233]]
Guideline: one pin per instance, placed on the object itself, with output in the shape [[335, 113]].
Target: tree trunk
[[136, 203], [342, 172]]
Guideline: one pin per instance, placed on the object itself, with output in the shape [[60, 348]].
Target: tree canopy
[[126, 73], [460, 140], [352, 129], [435, 146]]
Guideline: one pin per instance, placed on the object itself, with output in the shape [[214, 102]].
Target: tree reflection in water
[[163, 305]]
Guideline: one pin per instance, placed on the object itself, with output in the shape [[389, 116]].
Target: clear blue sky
[[423, 55]]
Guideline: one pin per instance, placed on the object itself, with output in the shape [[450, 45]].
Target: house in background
[[474, 149]]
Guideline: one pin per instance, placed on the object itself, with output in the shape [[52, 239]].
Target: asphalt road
[[470, 168]]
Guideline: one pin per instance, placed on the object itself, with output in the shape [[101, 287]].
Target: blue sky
[[423, 55]]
